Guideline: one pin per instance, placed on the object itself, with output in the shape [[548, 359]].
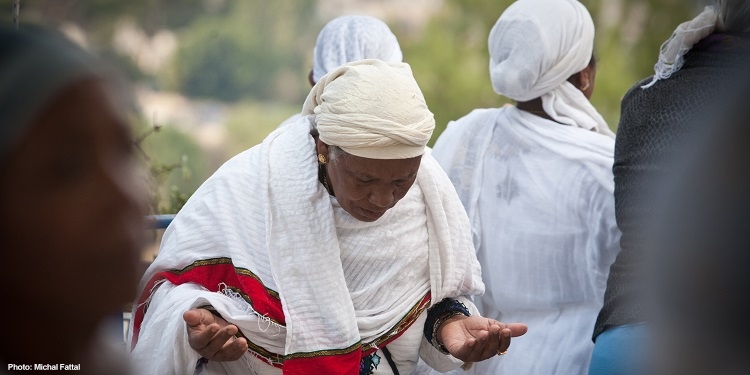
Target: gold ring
[[503, 352]]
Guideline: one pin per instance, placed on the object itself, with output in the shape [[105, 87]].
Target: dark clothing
[[653, 124]]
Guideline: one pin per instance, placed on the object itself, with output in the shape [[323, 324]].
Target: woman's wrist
[[443, 312], [439, 324]]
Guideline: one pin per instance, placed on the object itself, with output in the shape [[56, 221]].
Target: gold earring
[[322, 159]]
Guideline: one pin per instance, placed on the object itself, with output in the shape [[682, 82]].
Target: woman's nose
[[381, 197]]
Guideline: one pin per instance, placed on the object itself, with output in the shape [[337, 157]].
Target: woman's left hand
[[474, 338]]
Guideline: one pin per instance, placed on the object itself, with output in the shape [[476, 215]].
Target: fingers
[[202, 326], [196, 317], [517, 329], [220, 338], [232, 350], [480, 338], [505, 336], [222, 345], [212, 337], [483, 345]]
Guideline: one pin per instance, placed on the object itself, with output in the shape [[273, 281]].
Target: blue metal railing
[[158, 221]]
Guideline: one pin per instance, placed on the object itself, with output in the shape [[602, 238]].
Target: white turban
[[371, 109], [351, 38], [535, 46]]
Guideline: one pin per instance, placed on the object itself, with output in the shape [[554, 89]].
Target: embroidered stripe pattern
[[213, 273]]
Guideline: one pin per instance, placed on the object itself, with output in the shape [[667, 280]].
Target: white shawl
[[267, 211], [540, 198]]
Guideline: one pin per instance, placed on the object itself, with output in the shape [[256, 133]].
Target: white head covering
[[371, 109], [535, 46], [352, 38]]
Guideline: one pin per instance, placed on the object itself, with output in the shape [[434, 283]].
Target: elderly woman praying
[[337, 246]]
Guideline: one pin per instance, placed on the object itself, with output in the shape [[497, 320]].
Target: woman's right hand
[[212, 337]]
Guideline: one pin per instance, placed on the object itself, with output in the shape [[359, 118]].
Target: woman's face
[[367, 188], [71, 209]]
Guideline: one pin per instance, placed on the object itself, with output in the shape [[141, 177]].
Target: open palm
[[474, 338]]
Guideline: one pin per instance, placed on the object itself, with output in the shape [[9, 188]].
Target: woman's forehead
[[381, 168]]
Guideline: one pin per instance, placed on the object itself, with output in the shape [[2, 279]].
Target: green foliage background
[[254, 55]]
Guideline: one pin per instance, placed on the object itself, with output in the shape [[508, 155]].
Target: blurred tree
[[247, 51], [171, 158], [250, 122], [244, 52]]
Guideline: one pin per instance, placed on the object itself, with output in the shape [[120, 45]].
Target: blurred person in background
[[350, 38], [71, 208], [536, 181], [336, 246], [696, 71]]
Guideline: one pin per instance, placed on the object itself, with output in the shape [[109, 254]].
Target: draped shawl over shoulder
[[540, 198], [260, 240]]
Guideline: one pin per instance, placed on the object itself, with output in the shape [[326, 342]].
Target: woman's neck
[[535, 107]]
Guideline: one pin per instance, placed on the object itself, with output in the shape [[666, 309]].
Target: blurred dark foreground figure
[[70, 209], [697, 74], [701, 275]]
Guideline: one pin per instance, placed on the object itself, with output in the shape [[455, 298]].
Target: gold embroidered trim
[[325, 353], [402, 325]]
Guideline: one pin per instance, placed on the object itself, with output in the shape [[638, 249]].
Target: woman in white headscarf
[[536, 181], [351, 38], [334, 247]]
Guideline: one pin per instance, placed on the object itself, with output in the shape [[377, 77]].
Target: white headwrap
[[687, 34], [351, 38], [535, 46], [371, 109]]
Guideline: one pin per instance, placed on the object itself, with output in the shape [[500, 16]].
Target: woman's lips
[[370, 214]]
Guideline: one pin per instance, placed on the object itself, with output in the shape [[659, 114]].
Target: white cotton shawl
[[267, 210], [352, 38], [371, 109], [535, 46], [540, 198]]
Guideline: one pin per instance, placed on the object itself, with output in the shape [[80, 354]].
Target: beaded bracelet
[[437, 315]]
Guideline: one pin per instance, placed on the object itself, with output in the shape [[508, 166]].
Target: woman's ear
[[321, 147], [584, 79], [310, 78]]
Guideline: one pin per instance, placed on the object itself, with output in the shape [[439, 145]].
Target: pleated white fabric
[[341, 281], [371, 109], [540, 199], [351, 38]]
